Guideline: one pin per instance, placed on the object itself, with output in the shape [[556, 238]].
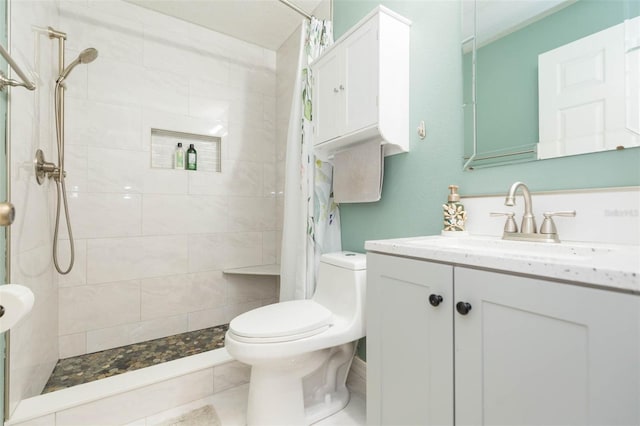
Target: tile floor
[[230, 408]]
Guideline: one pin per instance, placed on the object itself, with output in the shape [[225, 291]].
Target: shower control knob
[[435, 299], [463, 308], [7, 214]]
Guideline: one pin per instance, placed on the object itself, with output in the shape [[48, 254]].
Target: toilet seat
[[281, 322]]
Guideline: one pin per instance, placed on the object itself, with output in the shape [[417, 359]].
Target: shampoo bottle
[[192, 158], [178, 157], [454, 213]]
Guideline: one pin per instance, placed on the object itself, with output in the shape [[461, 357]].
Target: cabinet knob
[[463, 308], [335, 90], [435, 299], [341, 87]]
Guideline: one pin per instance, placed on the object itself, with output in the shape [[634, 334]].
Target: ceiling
[[267, 23]]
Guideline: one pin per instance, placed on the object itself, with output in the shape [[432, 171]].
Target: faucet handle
[[548, 226], [510, 225]]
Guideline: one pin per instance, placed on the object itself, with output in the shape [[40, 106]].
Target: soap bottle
[[192, 158], [178, 157], [454, 213]]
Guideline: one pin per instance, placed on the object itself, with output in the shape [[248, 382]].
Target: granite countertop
[[609, 266]]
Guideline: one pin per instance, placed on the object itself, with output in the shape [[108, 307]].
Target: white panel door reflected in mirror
[[589, 95]]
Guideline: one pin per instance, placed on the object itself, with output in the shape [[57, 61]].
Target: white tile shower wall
[[33, 350], [151, 243], [287, 62]]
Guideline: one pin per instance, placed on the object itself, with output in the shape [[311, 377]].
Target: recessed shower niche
[[164, 142]]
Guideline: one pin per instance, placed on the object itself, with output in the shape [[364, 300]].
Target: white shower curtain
[[311, 219]]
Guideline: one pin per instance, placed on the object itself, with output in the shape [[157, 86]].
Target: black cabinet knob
[[463, 308], [435, 299]]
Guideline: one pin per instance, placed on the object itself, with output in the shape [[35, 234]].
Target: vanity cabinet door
[[536, 352], [409, 342]]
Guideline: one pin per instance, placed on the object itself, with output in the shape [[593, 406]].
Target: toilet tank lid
[[346, 259]]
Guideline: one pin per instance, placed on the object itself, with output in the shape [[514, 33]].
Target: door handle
[[7, 213]]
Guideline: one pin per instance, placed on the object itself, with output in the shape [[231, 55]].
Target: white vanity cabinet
[[528, 351], [361, 85], [536, 352], [409, 342]]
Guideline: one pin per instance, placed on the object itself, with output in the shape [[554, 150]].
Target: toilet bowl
[[300, 351]]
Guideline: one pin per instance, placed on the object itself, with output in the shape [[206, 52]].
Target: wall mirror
[[549, 78]]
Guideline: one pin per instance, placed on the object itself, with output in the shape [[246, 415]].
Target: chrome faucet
[[528, 221]]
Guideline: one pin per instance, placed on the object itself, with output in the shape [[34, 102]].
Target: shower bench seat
[[265, 270]]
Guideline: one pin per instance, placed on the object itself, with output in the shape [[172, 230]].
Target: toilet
[[300, 351]]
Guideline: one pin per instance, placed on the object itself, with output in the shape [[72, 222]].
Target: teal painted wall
[[507, 69], [415, 184]]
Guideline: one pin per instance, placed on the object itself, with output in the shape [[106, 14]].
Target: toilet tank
[[341, 283]]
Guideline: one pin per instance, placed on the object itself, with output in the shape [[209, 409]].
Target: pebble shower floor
[[98, 365]]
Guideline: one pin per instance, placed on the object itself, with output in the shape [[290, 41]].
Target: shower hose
[[61, 189]]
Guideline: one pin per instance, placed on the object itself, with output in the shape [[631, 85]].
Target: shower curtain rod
[[4, 81], [296, 8]]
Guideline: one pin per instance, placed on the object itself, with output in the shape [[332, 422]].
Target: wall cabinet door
[[346, 85], [361, 87], [360, 80], [409, 342], [327, 104], [534, 352]]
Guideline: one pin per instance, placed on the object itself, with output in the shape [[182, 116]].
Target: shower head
[[86, 56]]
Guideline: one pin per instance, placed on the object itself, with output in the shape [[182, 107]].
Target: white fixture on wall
[[16, 301], [361, 86]]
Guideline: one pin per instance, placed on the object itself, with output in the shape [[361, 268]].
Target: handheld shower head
[[86, 56]]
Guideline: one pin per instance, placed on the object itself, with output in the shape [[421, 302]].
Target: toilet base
[[276, 395], [339, 399], [266, 396], [302, 390]]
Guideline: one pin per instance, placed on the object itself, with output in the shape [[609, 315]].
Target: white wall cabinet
[[528, 352], [361, 86]]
